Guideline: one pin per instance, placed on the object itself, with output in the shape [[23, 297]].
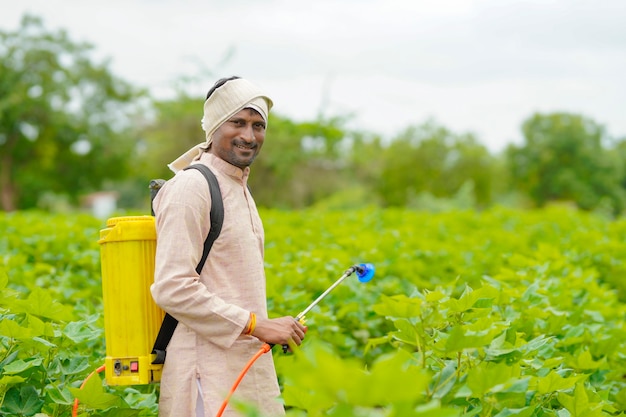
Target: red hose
[[97, 371], [264, 349]]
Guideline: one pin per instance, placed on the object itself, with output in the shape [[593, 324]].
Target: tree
[[564, 158], [301, 163], [430, 159], [174, 129], [64, 120], [618, 153]]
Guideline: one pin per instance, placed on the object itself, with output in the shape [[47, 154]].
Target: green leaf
[[483, 303], [9, 358], [490, 377], [11, 380], [578, 404], [518, 412], [394, 370], [398, 306], [93, 396], [121, 412], [21, 365], [60, 396], [472, 299], [44, 342], [24, 401], [461, 337], [40, 303], [302, 389], [79, 331], [434, 296], [406, 332], [435, 409], [74, 365], [4, 278], [444, 381], [39, 327], [620, 398], [513, 384], [299, 397], [10, 328], [585, 361], [553, 382]]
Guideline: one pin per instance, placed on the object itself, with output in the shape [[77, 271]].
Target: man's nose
[[248, 133]]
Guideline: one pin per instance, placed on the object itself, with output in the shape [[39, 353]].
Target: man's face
[[239, 139]]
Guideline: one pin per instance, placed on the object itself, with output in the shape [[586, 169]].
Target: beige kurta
[[212, 309]]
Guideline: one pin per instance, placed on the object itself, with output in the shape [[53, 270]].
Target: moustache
[[244, 144]]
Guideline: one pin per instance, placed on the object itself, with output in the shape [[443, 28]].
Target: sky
[[472, 66]]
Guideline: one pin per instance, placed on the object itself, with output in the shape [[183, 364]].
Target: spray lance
[[364, 272]]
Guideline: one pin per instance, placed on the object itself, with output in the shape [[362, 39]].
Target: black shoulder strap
[[217, 211], [217, 218]]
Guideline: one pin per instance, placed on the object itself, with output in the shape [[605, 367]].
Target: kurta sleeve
[[182, 212]]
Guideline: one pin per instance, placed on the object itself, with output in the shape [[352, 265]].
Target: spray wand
[[365, 273]]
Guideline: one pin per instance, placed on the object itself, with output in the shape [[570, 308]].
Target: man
[[222, 312]]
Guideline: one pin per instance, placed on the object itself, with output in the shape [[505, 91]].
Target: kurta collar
[[241, 175]]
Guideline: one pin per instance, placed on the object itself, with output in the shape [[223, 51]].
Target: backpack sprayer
[[131, 317]]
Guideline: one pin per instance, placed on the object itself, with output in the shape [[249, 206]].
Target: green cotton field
[[495, 313]]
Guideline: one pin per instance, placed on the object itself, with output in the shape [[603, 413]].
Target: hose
[[97, 371], [264, 349]]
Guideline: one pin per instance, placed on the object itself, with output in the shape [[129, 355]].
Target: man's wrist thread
[[251, 324]]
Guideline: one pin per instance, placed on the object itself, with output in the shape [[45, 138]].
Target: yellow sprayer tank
[[131, 317]]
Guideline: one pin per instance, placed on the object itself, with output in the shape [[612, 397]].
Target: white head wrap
[[226, 101]]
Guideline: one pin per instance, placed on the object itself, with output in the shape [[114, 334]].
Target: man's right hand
[[279, 331]]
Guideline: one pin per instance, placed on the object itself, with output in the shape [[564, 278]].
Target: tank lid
[[115, 220]]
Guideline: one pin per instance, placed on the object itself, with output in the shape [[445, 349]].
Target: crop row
[[491, 313]]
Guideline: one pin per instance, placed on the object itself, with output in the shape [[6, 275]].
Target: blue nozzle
[[365, 272]]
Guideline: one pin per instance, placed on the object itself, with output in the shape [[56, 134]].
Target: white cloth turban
[[226, 101]]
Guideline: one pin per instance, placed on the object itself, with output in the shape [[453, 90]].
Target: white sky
[[473, 66]]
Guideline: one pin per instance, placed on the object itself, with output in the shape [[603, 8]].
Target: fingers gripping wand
[[365, 273]]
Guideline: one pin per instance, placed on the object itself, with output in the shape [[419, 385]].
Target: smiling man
[[221, 311], [239, 140]]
